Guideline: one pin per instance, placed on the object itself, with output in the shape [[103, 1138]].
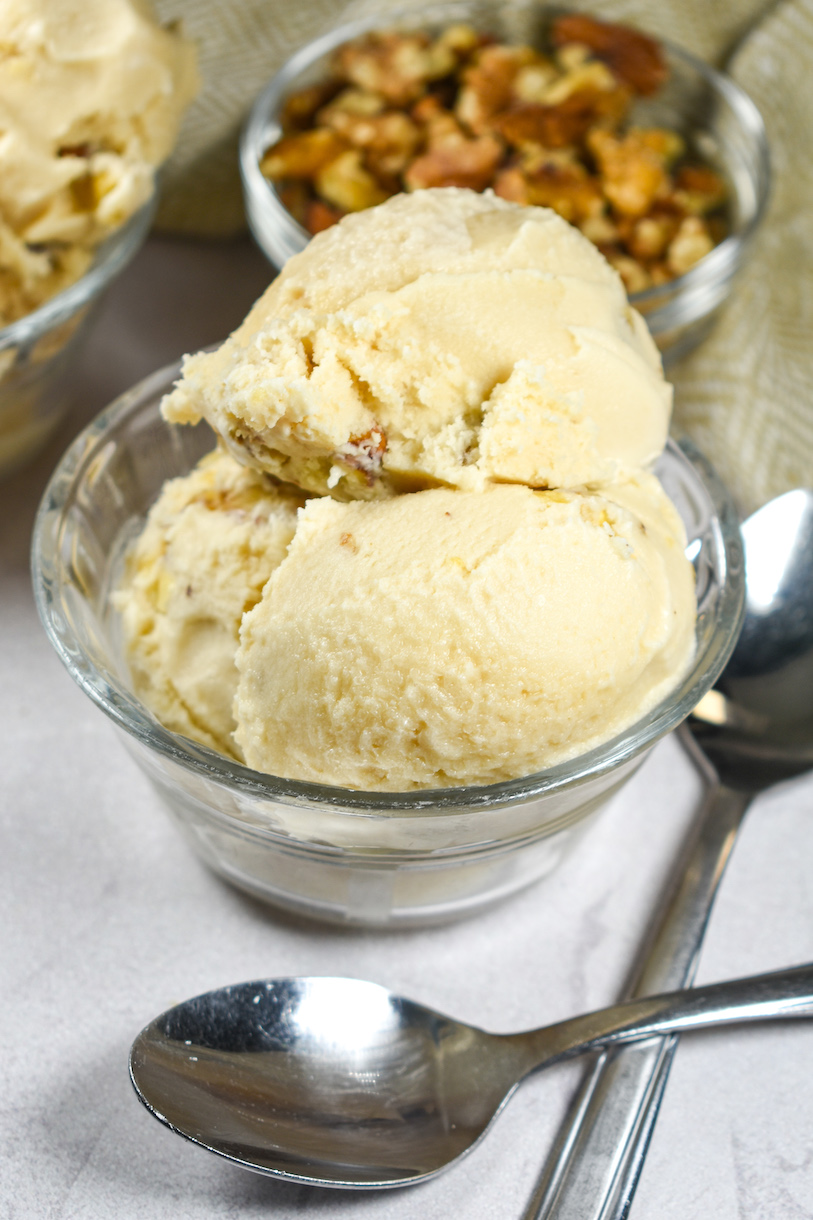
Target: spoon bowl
[[338, 1082]]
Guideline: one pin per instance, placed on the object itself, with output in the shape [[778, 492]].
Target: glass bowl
[[720, 123], [38, 350], [380, 859]]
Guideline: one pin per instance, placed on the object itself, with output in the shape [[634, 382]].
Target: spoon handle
[[762, 997], [593, 1169]]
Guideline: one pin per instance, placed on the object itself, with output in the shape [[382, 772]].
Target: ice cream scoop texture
[[465, 638], [487, 579], [446, 338]]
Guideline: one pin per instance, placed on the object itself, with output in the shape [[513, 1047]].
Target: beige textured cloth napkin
[[744, 395]]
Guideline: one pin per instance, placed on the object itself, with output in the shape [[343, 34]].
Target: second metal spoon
[[753, 731], [338, 1082]]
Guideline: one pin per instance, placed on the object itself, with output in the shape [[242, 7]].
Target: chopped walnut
[[452, 158], [302, 155], [394, 140], [599, 229], [396, 65], [487, 84], [632, 56], [698, 189], [632, 174], [568, 189], [548, 127], [456, 161], [691, 243], [651, 235], [571, 56], [349, 106], [558, 126], [461, 39], [389, 137], [532, 82], [591, 77], [365, 453], [346, 184], [667, 146]]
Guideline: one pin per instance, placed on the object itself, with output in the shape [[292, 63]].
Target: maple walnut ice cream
[[529, 600], [91, 97]]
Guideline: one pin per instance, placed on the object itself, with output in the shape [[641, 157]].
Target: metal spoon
[[338, 1082], [753, 731]]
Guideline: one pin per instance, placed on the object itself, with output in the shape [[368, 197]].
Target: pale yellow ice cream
[[446, 338], [452, 637], [211, 541], [527, 601], [91, 97]]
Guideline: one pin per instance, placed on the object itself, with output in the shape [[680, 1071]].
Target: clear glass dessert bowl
[[38, 350], [367, 858], [720, 124]]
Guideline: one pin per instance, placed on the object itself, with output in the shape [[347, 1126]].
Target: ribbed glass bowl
[[381, 859], [38, 351], [720, 123]]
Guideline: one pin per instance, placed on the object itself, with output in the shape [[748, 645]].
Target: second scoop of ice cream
[[468, 637]]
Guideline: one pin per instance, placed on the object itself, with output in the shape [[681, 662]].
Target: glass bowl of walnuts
[[658, 158]]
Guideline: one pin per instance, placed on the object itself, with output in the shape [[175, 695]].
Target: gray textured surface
[[107, 919]]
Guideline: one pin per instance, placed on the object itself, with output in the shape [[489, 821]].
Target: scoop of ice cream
[[91, 97], [445, 338], [467, 637], [210, 543]]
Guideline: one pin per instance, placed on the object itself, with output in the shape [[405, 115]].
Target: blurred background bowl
[[38, 351], [721, 125], [375, 859]]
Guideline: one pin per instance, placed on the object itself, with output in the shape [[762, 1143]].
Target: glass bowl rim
[[111, 257], [713, 267], [109, 693]]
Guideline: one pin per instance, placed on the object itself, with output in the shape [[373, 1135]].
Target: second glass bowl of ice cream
[[38, 352], [718, 120], [91, 108], [364, 858]]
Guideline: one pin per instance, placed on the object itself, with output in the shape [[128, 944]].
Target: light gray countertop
[[108, 919]]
